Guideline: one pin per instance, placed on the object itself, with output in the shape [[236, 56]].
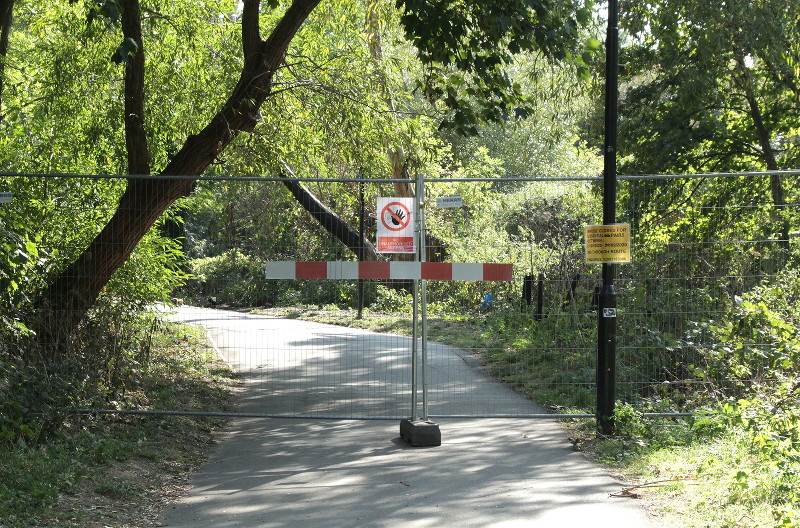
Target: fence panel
[[702, 249]]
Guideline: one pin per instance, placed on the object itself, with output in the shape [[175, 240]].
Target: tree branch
[[75, 290], [251, 37], [332, 222], [240, 112]]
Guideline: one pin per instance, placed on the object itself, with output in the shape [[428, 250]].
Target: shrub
[[232, 278]]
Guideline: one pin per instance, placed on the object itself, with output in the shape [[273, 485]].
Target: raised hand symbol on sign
[[398, 217]]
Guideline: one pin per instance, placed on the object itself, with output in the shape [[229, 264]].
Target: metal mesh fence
[[701, 248], [710, 254]]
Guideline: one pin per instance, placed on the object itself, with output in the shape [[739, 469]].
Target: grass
[[710, 483], [105, 470], [707, 471]]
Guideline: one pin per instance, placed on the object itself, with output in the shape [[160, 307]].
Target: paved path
[[283, 472], [301, 368]]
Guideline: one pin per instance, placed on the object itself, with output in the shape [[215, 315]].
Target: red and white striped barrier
[[448, 271]]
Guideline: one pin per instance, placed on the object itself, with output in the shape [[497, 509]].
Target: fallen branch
[[630, 491]]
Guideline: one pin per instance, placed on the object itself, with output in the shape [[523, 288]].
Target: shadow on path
[[283, 472]]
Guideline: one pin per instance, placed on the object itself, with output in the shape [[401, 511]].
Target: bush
[[758, 339], [392, 300], [34, 400], [232, 278], [108, 356]]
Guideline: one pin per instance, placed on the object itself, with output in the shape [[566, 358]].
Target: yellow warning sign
[[609, 244]]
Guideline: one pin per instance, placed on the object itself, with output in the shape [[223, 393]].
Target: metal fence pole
[[423, 293], [414, 349], [361, 244], [421, 432]]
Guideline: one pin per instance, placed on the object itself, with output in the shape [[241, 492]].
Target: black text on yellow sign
[[609, 244]]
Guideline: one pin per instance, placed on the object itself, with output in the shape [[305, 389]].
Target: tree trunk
[[135, 137], [768, 155], [6, 11], [65, 302], [332, 222]]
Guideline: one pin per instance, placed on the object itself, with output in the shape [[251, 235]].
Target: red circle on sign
[[402, 223]]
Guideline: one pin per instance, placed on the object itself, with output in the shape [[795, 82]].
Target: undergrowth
[[39, 473], [734, 465]]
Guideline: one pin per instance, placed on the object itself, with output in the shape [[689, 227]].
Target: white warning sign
[[396, 225]]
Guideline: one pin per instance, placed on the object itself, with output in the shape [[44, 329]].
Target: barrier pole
[[361, 244], [420, 432], [414, 348]]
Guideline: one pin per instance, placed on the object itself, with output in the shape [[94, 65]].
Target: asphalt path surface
[[313, 471]]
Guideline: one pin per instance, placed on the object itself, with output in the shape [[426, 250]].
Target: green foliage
[[112, 345], [110, 349], [536, 227], [19, 257], [231, 278], [259, 219], [179, 374], [59, 66], [704, 305], [740, 449], [108, 10], [35, 399], [759, 469], [701, 99], [124, 52], [33, 479], [339, 109], [109, 355], [392, 300], [759, 341], [467, 48], [529, 354], [237, 279]]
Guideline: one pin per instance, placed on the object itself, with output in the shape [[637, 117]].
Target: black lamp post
[[607, 308]]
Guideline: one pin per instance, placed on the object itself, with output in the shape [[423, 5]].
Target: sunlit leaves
[[694, 75], [481, 39]]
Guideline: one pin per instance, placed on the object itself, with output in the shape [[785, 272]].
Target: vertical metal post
[[415, 328], [527, 291], [420, 206], [607, 308], [540, 296], [361, 244], [420, 432], [414, 349]]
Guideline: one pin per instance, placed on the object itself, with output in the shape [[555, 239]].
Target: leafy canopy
[[710, 87], [468, 46]]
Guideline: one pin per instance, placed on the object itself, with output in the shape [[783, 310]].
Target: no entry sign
[[395, 225]]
